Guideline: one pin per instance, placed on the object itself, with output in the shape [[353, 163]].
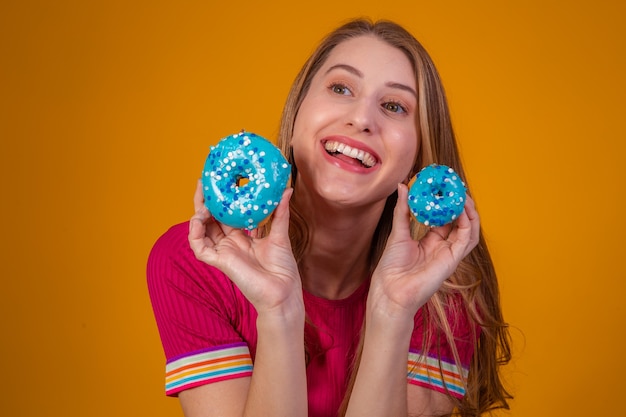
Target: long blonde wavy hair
[[474, 281]]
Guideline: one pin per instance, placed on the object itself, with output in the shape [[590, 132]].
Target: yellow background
[[107, 110]]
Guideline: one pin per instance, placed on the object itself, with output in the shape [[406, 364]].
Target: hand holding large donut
[[264, 269], [243, 182]]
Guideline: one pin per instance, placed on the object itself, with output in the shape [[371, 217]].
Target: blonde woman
[[342, 304]]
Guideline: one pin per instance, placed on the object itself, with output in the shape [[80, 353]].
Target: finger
[[463, 223], [400, 228], [201, 215], [198, 197], [474, 219], [465, 235], [280, 221], [202, 211], [197, 234]]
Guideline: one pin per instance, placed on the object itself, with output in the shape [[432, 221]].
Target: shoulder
[[173, 267], [196, 306], [172, 243], [171, 251]]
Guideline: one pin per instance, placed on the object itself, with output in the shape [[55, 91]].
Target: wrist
[[289, 315], [391, 325], [383, 309]]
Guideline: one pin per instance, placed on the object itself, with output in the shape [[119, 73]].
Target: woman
[[342, 304]]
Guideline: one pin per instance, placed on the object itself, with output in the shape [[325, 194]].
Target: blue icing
[[437, 196], [246, 156]]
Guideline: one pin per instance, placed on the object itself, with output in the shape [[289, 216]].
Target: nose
[[362, 116]]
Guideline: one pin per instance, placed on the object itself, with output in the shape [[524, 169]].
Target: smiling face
[[355, 136]]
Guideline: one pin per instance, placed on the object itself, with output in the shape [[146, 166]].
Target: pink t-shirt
[[208, 331]]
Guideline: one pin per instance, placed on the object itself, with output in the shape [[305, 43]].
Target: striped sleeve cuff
[[207, 366], [436, 374]]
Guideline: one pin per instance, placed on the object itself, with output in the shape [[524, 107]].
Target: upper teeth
[[366, 158]]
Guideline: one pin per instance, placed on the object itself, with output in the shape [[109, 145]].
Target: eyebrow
[[352, 70]]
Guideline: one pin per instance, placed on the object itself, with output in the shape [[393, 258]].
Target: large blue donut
[[248, 157], [437, 196]]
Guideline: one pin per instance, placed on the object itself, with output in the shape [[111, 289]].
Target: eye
[[341, 89], [394, 107]]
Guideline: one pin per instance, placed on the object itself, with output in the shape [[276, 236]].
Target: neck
[[337, 258]]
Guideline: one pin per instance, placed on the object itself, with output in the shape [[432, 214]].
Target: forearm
[[278, 384], [380, 387]]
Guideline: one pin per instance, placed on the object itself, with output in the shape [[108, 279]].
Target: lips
[[364, 157]]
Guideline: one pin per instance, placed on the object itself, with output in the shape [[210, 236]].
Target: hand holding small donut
[[410, 272], [264, 269]]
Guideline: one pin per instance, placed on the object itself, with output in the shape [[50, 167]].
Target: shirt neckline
[[357, 295]]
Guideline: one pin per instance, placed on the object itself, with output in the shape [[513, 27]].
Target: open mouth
[[337, 148]]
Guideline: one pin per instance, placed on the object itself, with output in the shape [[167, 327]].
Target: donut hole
[[438, 193], [241, 181]]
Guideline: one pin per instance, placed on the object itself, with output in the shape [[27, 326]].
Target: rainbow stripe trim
[[439, 375], [199, 368]]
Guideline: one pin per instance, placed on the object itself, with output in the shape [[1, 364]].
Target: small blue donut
[[243, 180], [437, 196]]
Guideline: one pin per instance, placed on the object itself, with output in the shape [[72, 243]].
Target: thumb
[[280, 221], [400, 228]]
